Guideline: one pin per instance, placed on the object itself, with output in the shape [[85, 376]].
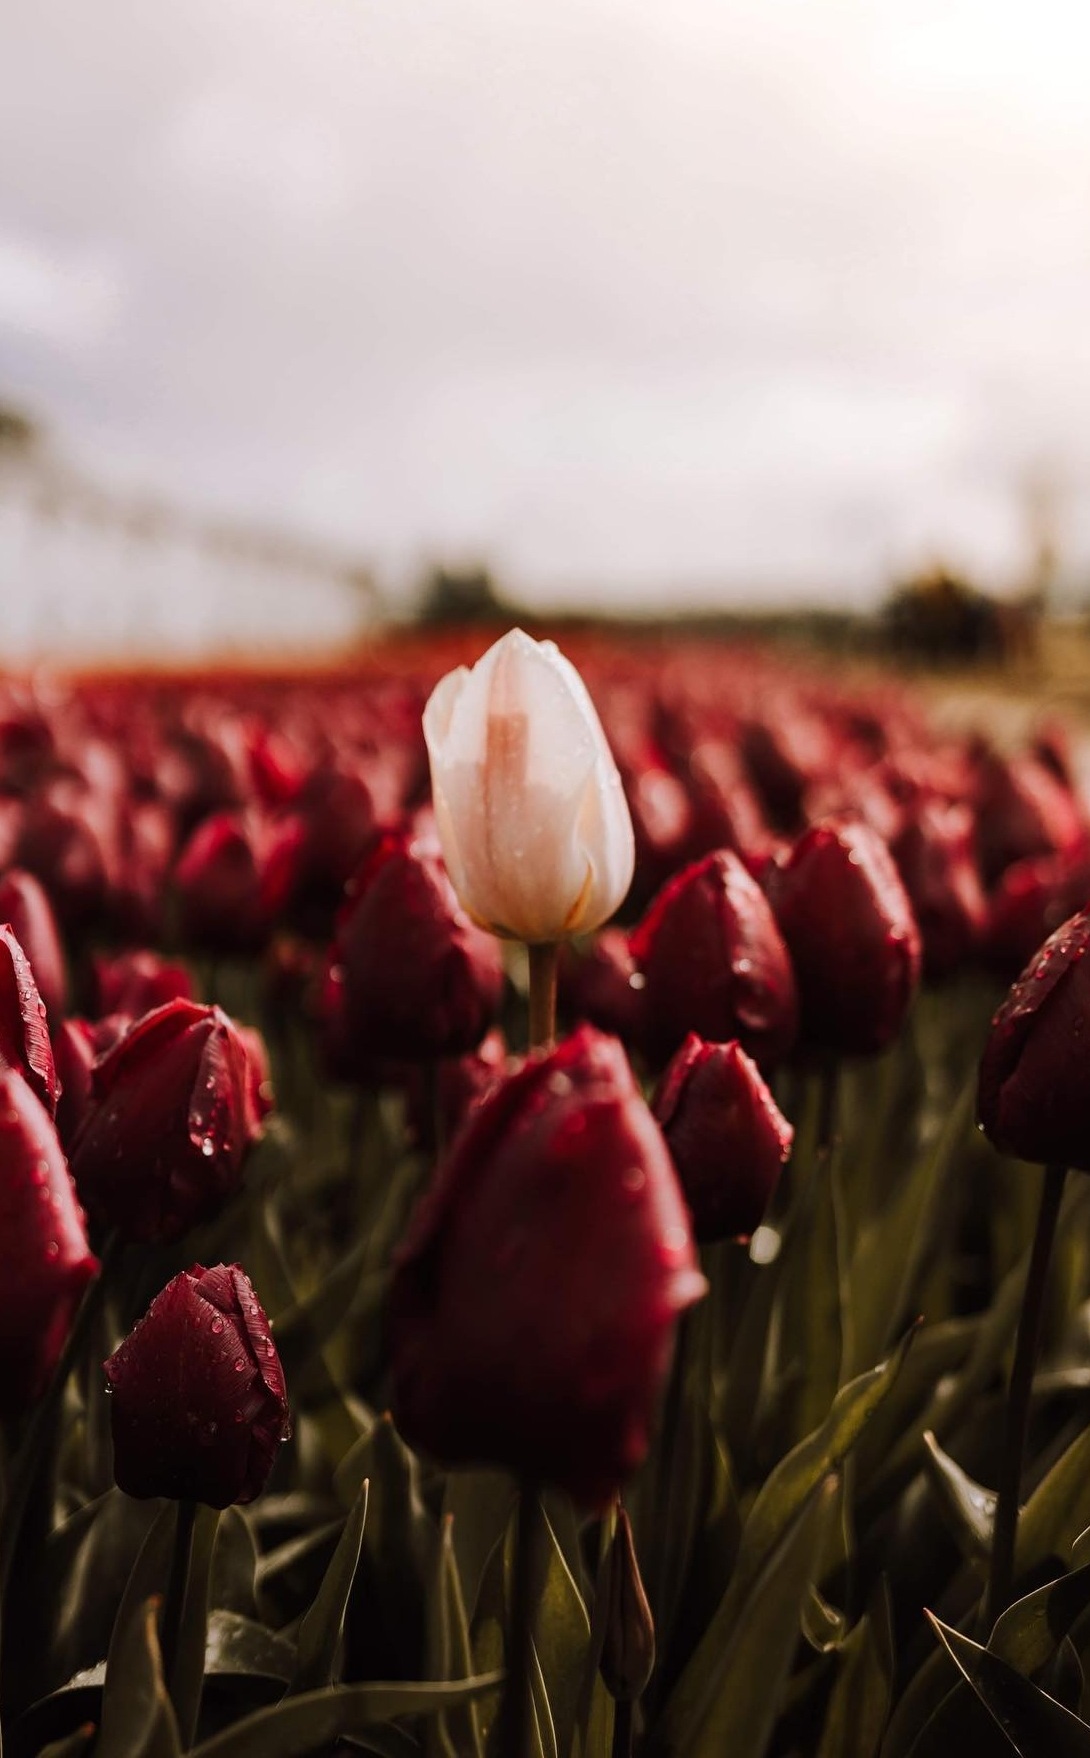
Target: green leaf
[[72, 1745], [453, 1733], [813, 1314], [777, 1506], [1034, 1722], [137, 1719], [969, 1507], [561, 1639], [885, 1276], [304, 1724], [481, 1504], [1058, 1510], [237, 1645], [739, 1698], [322, 1627], [304, 1327], [1031, 1630], [234, 1565], [387, 1603], [859, 1706]]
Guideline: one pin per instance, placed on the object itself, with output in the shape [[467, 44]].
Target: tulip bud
[[77, 1045], [417, 979], [852, 936], [1023, 809], [137, 982], [560, 1178], [1033, 897], [173, 1119], [198, 1405], [628, 1648], [26, 906], [529, 804], [45, 1261], [1033, 1097], [934, 856], [24, 1034], [234, 878], [603, 985], [714, 963], [726, 1134]]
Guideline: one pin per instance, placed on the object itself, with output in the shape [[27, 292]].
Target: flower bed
[[553, 1295]]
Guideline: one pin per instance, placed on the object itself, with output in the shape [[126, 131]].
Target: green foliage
[[812, 1524]]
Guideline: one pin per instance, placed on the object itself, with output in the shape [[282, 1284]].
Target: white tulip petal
[[529, 805]]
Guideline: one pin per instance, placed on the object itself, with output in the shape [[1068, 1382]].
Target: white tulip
[[531, 812]]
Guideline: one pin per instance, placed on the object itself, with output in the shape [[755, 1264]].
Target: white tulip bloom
[[531, 812]]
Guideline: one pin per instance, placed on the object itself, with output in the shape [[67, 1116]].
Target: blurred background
[[317, 312]]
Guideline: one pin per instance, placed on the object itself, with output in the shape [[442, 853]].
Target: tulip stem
[[1001, 1575], [177, 1591], [516, 1712], [623, 1728], [543, 965]]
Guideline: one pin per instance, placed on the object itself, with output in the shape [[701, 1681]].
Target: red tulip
[[198, 1406], [45, 1261], [560, 1179]]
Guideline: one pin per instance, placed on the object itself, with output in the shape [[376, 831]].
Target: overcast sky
[[766, 295]]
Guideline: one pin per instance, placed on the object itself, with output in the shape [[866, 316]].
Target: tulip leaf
[[72, 1746], [137, 1718], [859, 1706], [321, 1629], [234, 1565], [308, 1723], [739, 1698], [954, 1395], [453, 1733], [386, 1616], [957, 1722], [1032, 1721], [481, 1504], [969, 1507], [884, 1277], [1058, 1509], [304, 1328], [561, 1639], [813, 1310], [1031, 1630], [237, 1644]]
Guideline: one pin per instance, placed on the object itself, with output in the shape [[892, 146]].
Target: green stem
[[1001, 1575], [543, 966], [177, 1592], [516, 1712]]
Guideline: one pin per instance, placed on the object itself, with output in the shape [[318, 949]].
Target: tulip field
[[540, 1212]]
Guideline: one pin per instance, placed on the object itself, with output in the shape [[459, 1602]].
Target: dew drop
[[208, 1147]]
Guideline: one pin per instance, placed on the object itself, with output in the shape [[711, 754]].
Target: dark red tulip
[[714, 962], [173, 1119], [24, 903], [853, 939], [602, 984], [420, 980], [726, 1134], [934, 856], [234, 879], [69, 840], [1029, 903], [435, 1111], [137, 982], [45, 1261], [198, 1405], [77, 1045], [1033, 1099], [1023, 809], [559, 1179], [24, 1032]]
